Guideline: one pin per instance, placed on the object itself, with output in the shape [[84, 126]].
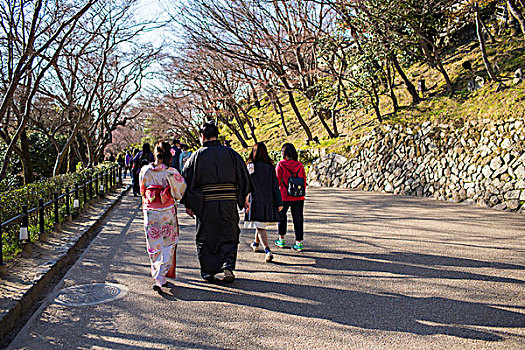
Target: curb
[[50, 269]]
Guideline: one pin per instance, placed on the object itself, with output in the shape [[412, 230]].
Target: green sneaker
[[280, 243], [298, 247]]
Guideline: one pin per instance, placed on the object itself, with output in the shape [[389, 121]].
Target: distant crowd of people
[[212, 183]]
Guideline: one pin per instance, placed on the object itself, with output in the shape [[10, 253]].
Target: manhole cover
[[91, 294]]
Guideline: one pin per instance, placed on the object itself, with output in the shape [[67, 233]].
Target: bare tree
[[91, 105], [33, 36], [235, 31]]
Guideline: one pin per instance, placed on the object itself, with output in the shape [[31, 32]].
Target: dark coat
[[266, 199], [175, 159], [218, 227], [138, 162]]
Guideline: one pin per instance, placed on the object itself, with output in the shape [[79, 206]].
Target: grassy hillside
[[508, 54]]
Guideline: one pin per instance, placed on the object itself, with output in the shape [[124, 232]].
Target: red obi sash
[[157, 193]]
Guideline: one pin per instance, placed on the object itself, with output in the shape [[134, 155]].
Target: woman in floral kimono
[[160, 187]]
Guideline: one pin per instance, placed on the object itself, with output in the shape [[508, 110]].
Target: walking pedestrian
[[184, 155], [120, 160], [127, 163], [160, 187], [175, 152], [218, 182], [292, 183], [142, 159], [265, 201]]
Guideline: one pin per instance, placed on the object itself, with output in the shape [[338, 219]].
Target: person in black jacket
[[141, 159], [175, 152], [218, 182], [264, 204]]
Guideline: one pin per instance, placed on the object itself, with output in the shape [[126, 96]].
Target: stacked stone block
[[480, 162]]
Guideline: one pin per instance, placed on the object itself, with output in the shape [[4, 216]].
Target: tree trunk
[[234, 130], [90, 152], [374, 99], [492, 76], [291, 98], [516, 13], [235, 112], [443, 71], [62, 154], [69, 164], [410, 87], [278, 107], [11, 147], [298, 115], [238, 135], [250, 124], [433, 59], [377, 112], [26, 158], [333, 115], [489, 34], [320, 115], [390, 80]]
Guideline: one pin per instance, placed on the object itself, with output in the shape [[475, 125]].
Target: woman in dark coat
[[264, 204], [144, 157]]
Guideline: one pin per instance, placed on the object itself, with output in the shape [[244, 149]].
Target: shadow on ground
[[386, 312]]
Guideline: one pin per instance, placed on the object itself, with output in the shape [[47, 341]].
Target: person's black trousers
[[135, 182], [297, 208]]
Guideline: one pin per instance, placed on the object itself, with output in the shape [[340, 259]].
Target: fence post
[[41, 221], [41, 215], [90, 188], [68, 202], [24, 234], [84, 193], [76, 201], [96, 185], [106, 180], [1, 244], [55, 198], [3, 269]]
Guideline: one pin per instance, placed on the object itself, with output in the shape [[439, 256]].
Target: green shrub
[[12, 200]]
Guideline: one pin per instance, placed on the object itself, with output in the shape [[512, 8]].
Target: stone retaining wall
[[482, 162]]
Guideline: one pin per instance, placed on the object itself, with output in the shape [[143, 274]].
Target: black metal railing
[[81, 195]]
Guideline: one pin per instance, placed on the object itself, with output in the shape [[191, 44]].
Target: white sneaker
[[255, 248], [269, 257]]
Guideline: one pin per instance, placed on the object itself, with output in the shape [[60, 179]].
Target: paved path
[[379, 272]]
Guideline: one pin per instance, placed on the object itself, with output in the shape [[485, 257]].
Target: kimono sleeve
[[177, 185], [188, 174], [143, 179]]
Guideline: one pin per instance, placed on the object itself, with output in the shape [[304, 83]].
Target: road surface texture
[[378, 272]]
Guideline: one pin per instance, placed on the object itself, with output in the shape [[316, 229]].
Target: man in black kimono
[[218, 182]]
